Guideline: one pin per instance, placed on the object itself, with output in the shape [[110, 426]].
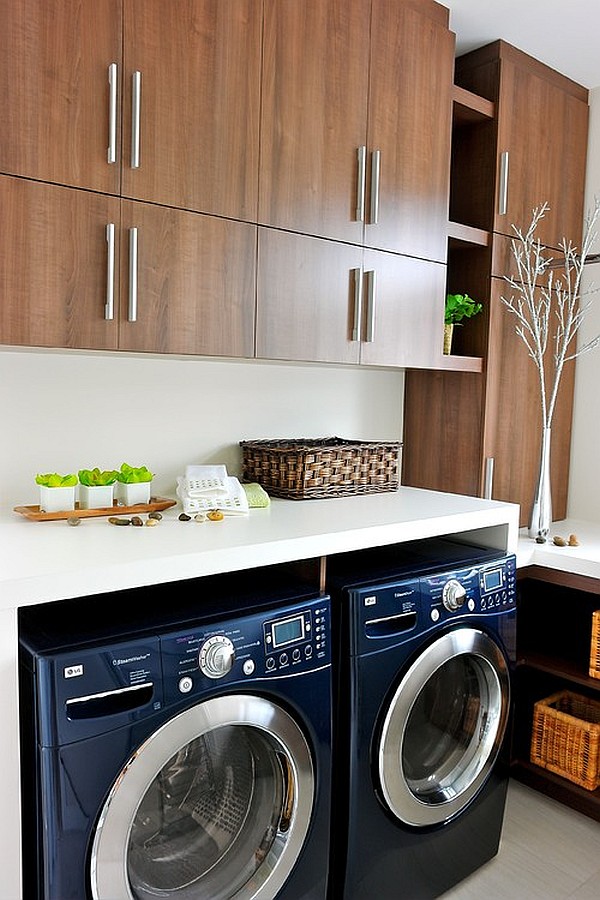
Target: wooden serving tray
[[156, 504]]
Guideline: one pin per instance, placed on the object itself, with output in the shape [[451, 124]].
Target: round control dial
[[217, 656], [453, 595]]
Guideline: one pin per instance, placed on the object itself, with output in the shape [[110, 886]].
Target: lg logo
[[72, 671]]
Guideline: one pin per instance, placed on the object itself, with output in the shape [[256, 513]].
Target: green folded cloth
[[256, 495]]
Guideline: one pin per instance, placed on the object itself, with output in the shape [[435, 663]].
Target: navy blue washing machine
[[427, 648], [182, 753]]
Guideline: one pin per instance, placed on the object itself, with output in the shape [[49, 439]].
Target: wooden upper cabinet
[[410, 125], [187, 282], [54, 272], [314, 115], [539, 145], [199, 99], [54, 90]]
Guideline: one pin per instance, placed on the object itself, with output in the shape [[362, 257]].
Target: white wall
[[584, 482], [62, 411]]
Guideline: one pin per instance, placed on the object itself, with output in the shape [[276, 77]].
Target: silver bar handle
[[357, 304], [489, 478], [370, 335], [133, 275], [112, 113], [136, 111], [361, 184], [375, 181], [503, 191], [109, 307]]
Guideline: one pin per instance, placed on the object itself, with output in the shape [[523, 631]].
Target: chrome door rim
[[108, 866], [402, 802]]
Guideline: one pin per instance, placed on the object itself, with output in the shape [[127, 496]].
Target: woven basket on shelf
[[595, 645], [319, 468], [565, 737]]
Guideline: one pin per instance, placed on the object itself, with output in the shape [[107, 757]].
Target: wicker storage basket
[[314, 469], [565, 737], [595, 645]]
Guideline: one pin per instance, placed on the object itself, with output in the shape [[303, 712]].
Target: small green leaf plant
[[96, 478], [53, 479], [131, 475], [459, 307]]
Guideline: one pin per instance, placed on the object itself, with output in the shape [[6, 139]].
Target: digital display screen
[[492, 580], [287, 631]]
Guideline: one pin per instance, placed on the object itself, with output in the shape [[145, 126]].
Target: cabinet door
[[542, 126], [404, 310], [199, 68], [54, 65], [314, 115], [307, 298], [54, 266], [410, 123], [195, 278], [513, 421]]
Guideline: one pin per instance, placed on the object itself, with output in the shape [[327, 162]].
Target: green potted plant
[[134, 484], [57, 492], [458, 307], [96, 488]]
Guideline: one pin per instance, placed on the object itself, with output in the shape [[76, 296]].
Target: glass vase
[[541, 511]]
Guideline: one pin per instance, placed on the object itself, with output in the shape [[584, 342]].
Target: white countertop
[[581, 560], [51, 560]]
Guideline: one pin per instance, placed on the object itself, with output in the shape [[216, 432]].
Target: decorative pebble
[[573, 542], [136, 520], [151, 522], [155, 515], [183, 517], [540, 540], [199, 517], [215, 515], [559, 541], [115, 520], [73, 520]]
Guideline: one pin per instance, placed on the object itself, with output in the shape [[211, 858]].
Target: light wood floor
[[548, 852]]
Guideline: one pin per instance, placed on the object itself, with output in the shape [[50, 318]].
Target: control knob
[[453, 595], [217, 656]]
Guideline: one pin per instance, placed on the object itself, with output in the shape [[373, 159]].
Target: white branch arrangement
[[539, 295]]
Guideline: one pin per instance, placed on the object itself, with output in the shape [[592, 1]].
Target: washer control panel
[[291, 640]]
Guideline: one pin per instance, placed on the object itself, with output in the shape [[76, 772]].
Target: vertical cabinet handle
[[375, 180], [361, 184], [370, 335], [136, 110], [133, 275], [489, 478], [357, 304], [109, 307], [503, 191], [112, 113]]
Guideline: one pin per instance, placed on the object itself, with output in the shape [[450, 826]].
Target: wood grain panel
[[314, 115], [305, 298], [196, 283], [200, 75], [410, 113], [53, 266], [54, 60]]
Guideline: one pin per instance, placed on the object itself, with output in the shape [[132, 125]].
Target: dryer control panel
[[488, 587]]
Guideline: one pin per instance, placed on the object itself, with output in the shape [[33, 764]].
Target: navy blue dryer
[[184, 759], [427, 647]]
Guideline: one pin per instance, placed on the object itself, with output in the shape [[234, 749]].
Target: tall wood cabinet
[[519, 139]]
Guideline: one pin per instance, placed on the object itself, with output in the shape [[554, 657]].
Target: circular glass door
[[443, 728], [216, 803]]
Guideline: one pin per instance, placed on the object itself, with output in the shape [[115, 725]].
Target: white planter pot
[[96, 496], [133, 494], [56, 499]]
